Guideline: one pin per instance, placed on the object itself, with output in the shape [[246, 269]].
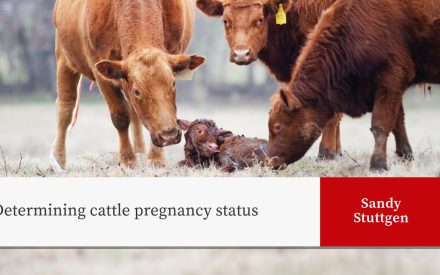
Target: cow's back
[[88, 31]]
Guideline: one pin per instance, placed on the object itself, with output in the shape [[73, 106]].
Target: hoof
[[405, 153], [127, 160], [378, 164], [54, 164], [157, 162], [325, 154]]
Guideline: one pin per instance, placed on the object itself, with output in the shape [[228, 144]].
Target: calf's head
[[293, 128], [246, 24], [148, 79], [203, 137]]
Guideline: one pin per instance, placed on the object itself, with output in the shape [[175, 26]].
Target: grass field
[[28, 130]]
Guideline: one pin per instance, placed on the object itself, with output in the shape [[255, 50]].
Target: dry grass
[[92, 146]]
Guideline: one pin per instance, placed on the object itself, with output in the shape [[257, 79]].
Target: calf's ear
[[222, 135], [210, 7], [183, 124], [112, 70], [182, 65]]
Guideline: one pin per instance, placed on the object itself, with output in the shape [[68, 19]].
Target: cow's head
[[148, 80], [246, 24], [293, 128]]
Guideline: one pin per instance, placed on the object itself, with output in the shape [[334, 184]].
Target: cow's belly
[[71, 43], [355, 98], [75, 56], [426, 55], [178, 25]]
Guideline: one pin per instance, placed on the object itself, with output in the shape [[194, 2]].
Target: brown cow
[[360, 58], [252, 32], [205, 143], [133, 50]]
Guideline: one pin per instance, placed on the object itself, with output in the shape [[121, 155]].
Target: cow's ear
[[222, 135], [285, 100], [112, 70], [183, 65], [290, 101], [183, 124], [272, 6], [211, 7]]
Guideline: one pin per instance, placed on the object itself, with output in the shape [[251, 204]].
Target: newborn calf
[[206, 143]]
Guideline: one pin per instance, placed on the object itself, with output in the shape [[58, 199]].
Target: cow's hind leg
[[386, 110], [67, 83], [403, 148], [330, 146], [120, 115]]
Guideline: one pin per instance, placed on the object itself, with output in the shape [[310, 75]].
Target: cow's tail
[[76, 109]]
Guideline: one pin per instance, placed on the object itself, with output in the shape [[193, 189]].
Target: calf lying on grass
[[205, 143]]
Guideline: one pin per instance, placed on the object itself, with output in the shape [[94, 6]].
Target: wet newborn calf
[[205, 143]]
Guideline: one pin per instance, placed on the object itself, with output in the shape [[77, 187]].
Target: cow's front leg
[[120, 115], [330, 146], [138, 135], [403, 148], [67, 83], [156, 156]]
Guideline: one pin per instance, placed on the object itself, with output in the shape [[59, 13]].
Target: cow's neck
[[282, 49], [140, 25], [284, 43]]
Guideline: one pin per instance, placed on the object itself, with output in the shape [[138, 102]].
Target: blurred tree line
[[27, 60]]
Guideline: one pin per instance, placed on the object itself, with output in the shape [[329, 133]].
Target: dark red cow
[[360, 57]]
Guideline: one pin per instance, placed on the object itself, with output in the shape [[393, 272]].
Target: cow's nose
[[276, 163], [242, 55], [170, 135]]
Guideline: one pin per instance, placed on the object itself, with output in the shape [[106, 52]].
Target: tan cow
[[133, 49]]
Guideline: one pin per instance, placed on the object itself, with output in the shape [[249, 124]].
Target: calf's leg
[[330, 146], [403, 148], [120, 115], [67, 83]]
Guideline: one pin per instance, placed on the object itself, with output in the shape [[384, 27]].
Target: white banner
[[159, 212]]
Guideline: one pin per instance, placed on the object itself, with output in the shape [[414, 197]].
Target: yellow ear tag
[[281, 18]]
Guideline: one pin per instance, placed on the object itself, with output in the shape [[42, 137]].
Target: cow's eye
[[226, 23], [136, 93], [174, 84], [260, 20], [199, 132]]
